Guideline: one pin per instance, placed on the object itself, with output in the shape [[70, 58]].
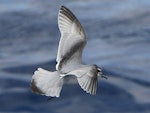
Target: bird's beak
[[104, 76], [101, 74]]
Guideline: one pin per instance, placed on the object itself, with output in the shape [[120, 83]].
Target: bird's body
[[69, 60]]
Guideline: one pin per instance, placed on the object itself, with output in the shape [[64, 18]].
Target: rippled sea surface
[[118, 34]]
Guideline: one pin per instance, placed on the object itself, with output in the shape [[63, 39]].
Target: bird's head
[[100, 73]]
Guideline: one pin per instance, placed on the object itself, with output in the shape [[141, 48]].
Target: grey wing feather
[[72, 39]]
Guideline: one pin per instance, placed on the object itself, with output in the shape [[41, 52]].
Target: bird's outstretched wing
[[87, 78], [72, 41]]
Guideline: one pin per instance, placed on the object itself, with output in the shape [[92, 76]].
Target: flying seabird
[[69, 60]]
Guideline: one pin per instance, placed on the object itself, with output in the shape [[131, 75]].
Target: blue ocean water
[[118, 34]]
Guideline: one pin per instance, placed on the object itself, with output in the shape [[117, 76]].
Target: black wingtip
[[63, 7], [65, 11]]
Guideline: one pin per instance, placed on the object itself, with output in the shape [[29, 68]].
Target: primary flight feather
[[69, 60]]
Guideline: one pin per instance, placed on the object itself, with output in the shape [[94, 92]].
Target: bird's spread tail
[[47, 83]]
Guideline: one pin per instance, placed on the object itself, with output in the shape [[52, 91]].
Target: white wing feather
[[87, 78], [72, 41]]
